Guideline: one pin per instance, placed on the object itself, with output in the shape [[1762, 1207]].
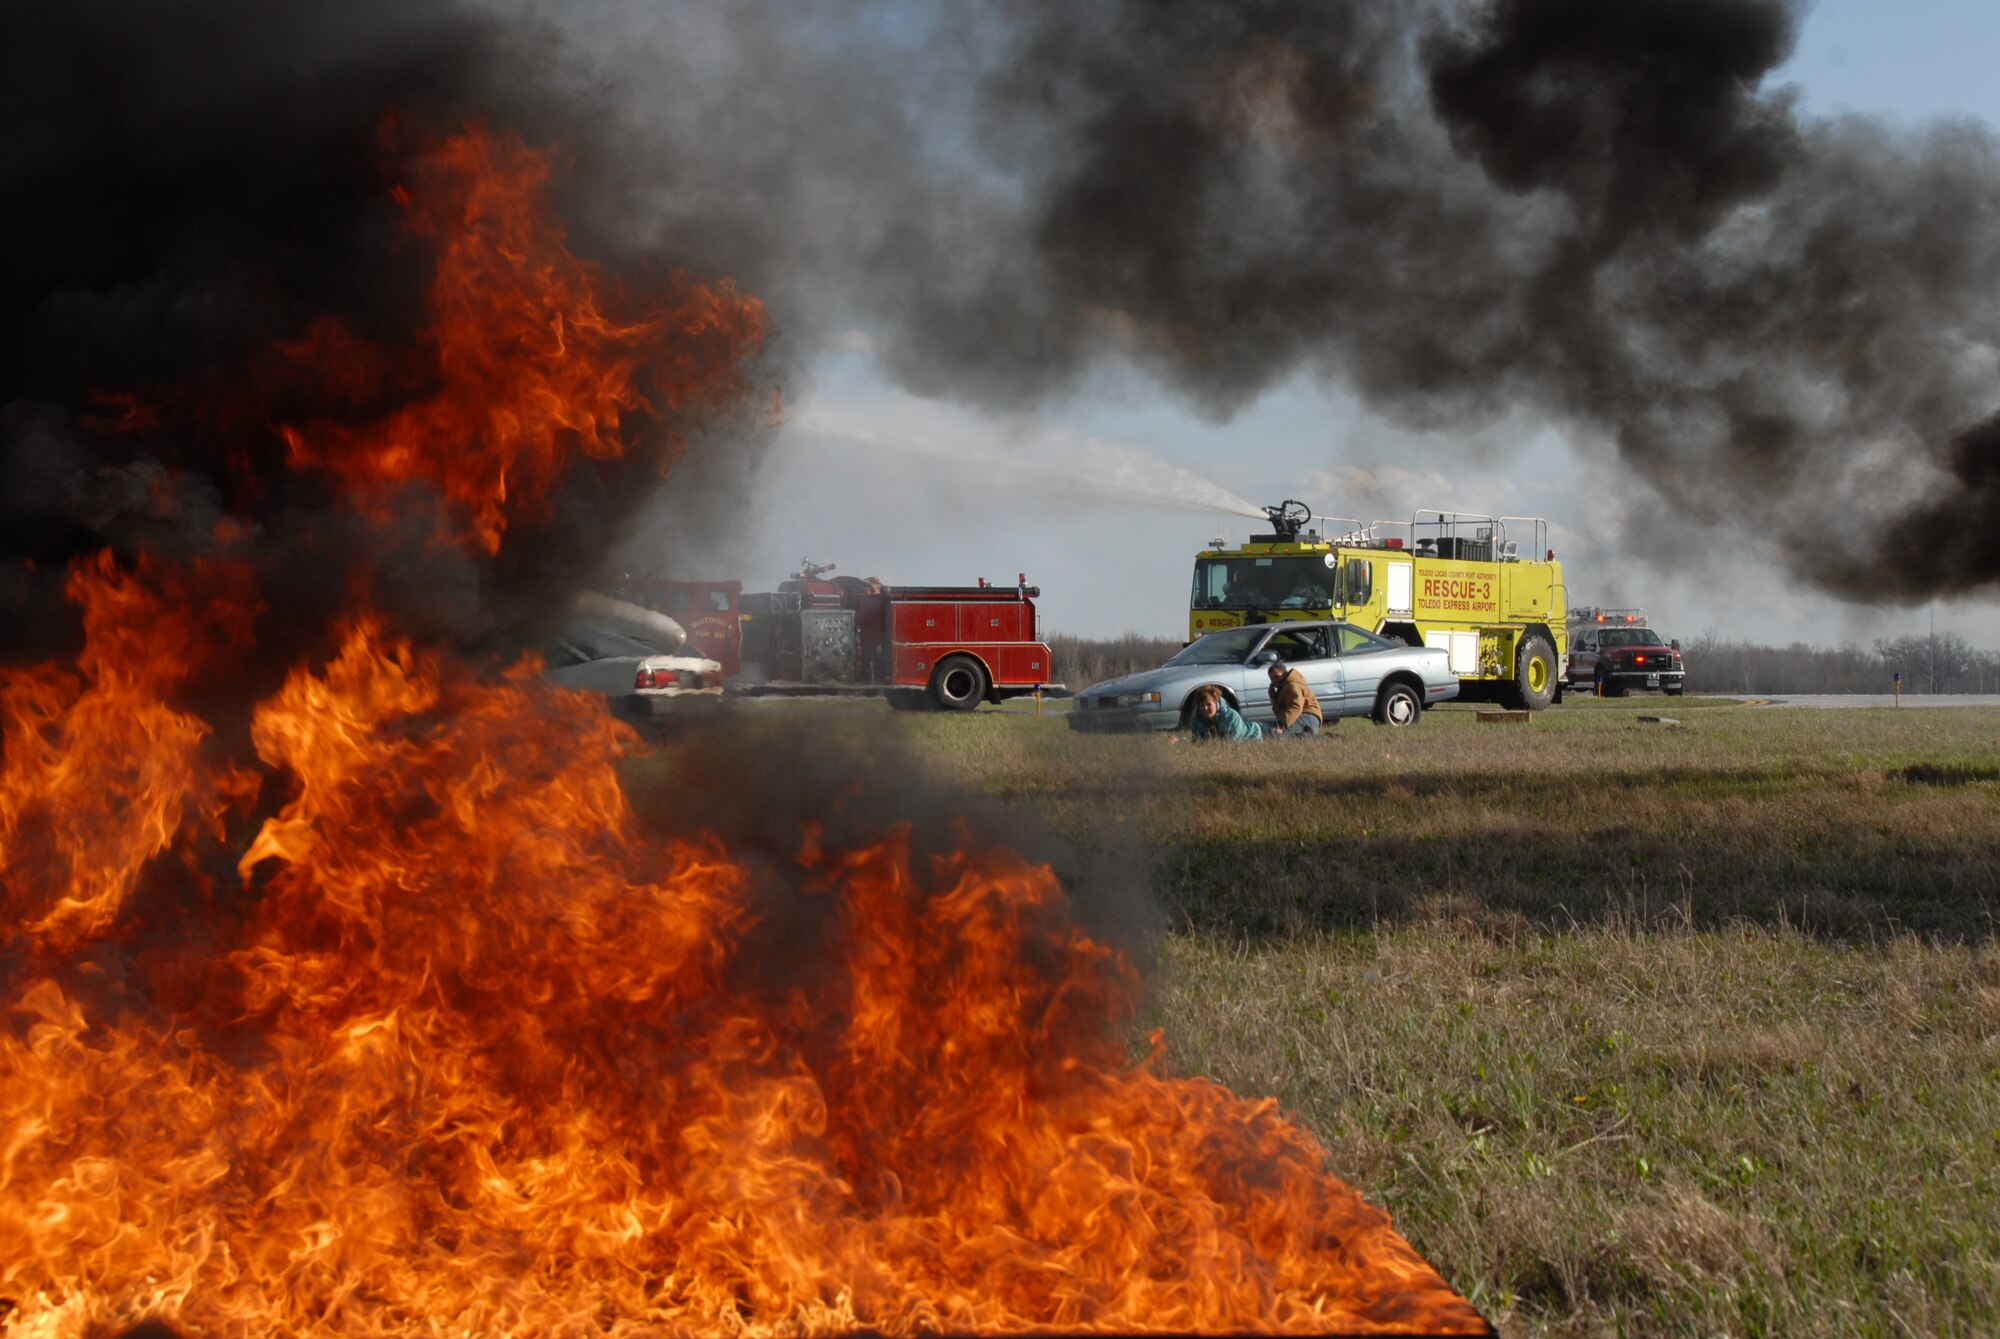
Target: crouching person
[[1216, 719], [1294, 705]]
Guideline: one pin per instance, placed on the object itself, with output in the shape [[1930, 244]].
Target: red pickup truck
[[1612, 656]]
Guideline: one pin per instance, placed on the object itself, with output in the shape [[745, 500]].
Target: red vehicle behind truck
[[954, 646]]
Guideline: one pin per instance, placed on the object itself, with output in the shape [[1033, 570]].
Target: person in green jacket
[[1216, 719]]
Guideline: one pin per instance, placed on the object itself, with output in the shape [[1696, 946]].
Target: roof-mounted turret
[[1288, 518]]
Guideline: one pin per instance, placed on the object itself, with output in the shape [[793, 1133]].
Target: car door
[[1361, 668], [1250, 682], [1583, 657], [1303, 648], [1321, 668]]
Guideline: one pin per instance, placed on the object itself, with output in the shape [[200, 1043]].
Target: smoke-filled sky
[[1737, 454], [1747, 450], [1714, 285]]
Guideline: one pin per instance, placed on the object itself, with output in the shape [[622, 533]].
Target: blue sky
[[1914, 60], [1103, 499]]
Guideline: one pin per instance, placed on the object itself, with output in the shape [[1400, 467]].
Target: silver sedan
[[1351, 672]]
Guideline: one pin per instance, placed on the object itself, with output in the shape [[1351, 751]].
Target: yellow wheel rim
[[1538, 673]]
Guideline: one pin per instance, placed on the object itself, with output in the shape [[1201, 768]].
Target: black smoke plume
[[188, 187], [1611, 215]]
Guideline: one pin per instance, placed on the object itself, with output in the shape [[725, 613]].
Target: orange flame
[[99, 773], [451, 1042], [535, 356]]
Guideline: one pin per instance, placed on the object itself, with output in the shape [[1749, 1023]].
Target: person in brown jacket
[[1294, 705]]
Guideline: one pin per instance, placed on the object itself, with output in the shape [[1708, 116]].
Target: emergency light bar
[[1632, 618]]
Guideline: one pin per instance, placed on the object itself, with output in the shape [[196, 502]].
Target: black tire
[[1676, 692], [1534, 673], [958, 683], [1398, 705]]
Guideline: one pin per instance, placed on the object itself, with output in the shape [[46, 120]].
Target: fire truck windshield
[[1303, 582]]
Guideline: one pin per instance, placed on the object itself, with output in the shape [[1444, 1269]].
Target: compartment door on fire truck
[[1399, 587]]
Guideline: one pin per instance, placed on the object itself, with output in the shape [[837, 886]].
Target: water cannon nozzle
[[1287, 519]]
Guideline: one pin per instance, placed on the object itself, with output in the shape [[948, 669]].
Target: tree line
[[1942, 662]]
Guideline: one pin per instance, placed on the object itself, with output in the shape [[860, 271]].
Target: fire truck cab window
[[1360, 581], [1301, 582], [718, 601], [676, 601]]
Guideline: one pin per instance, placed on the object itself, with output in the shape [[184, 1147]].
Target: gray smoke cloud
[[1461, 209], [1606, 214]]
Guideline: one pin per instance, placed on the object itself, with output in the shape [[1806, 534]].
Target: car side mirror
[[1675, 643], [1264, 658]]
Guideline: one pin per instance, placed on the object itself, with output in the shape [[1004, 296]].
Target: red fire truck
[[954, 646]]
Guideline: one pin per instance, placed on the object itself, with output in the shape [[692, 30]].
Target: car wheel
[[958, 683], [1398, 705], [1676, 692], [1534, 673]]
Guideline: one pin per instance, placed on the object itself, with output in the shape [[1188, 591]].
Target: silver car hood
[[1146, 680]]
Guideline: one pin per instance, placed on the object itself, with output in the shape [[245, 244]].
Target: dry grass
[[1636, 1030], [1851, 823], [1602, 1131]]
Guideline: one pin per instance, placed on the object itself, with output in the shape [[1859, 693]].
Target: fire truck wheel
[[958, 683], [1398, 705], [1534, 673]]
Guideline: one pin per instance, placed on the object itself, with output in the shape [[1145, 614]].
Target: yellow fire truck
[[1486, 589]]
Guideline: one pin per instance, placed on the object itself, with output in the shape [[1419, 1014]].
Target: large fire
[[409, 1024]]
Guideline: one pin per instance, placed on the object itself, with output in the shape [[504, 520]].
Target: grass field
[[1635, 1028]]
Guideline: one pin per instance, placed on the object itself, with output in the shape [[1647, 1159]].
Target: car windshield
[[1630, 637], [1230, 647], [1304, 582]]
